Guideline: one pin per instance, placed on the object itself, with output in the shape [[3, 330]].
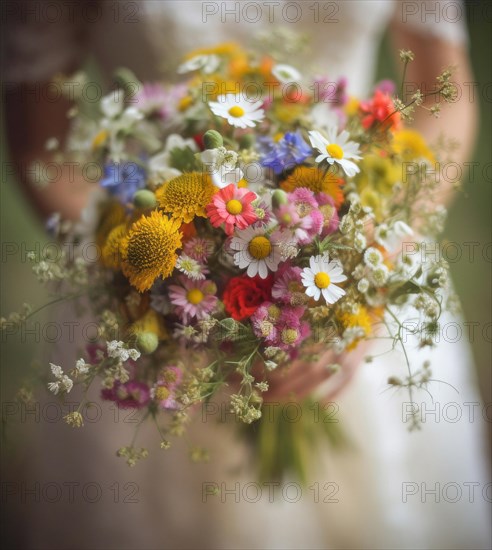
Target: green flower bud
[[212, 139], [147, 342], [144, 198], [255, 399], [279, 197]]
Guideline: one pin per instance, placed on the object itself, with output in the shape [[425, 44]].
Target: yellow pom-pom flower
[[359, 319], [149, 249], [378, 173], [186, 196], [112, 214], [111, 251], [410, 145]]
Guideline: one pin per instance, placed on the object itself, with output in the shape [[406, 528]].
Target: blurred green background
[[469, 221]]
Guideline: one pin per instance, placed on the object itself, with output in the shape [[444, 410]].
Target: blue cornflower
[[123, 179], [290, 151]]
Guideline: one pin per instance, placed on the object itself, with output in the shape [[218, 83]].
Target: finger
[[306, 377], [302, 385]]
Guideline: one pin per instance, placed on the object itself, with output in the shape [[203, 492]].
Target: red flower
[[198, 139], [243, 295], [378, 109]]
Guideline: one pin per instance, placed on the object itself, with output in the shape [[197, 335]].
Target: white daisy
[[285, 73], [257, 251], [191, 267], [113, 104], [224, 177], [391, 237], [336, 149], [319, 277], [205, 63], [221, 165], [238, 112]]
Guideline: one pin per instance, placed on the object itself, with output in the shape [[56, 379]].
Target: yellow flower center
[[162, 393], [335, 151], [185, 102], [194, 296], [100, 139], [274, 312], [236, 111], [242, 183], [289, 335], [322, 280], [278, 136], [234, 207], [266, 328], [259, 247]]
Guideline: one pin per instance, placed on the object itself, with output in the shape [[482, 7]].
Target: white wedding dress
[[394, 489]]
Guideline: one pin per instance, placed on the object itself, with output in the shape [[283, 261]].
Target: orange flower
[[315, 180]]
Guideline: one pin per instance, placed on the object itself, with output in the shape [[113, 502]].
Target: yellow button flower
[[149, 249], [186, 196]]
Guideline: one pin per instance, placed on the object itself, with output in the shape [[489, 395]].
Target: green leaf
[[407, 288], [183, 159]]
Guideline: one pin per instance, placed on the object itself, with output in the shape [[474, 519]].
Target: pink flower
[[291, 330], [155, 98], [264, 321], [304, 199], [199, 249], [330, 214], [280, 327], [232, 206], [301, 214], [130, 395], [165, 389], [386, 86], [193, 299], [288, 287]]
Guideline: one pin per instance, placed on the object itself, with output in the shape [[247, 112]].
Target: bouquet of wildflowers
[[245, 217]]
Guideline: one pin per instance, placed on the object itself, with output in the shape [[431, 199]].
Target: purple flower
[[290, 151], [130, 395], [123, 179]]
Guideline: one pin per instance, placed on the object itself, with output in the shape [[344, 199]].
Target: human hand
[[302, 378]]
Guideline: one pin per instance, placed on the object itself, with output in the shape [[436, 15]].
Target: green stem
[[403, 78], [56, 301]]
